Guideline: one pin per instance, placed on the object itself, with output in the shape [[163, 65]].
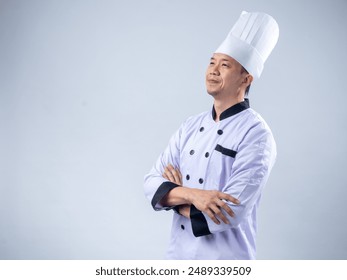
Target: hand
[[211, 202], [173, 175]]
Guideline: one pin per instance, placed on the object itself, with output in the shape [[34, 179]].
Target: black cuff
[[199, 223], [163, 189]]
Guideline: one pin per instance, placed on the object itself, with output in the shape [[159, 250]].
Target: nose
[[214, 70]]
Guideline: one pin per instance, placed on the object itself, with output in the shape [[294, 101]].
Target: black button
[[192, 152], [202, 129], [187, 177], [201, 180], [220, 132], [207, 154], [182, 227]]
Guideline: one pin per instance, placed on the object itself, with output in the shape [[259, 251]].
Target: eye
[[211, 63], [225, 65]]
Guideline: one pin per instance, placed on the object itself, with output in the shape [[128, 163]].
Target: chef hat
[[251, 41]]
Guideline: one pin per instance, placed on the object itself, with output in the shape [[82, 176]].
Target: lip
[[213, 81]]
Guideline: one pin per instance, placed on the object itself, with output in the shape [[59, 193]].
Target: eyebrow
[[224, 59]]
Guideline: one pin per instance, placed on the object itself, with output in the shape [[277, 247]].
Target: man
[[214, 169]]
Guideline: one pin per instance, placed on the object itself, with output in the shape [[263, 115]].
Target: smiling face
[[225, 77]]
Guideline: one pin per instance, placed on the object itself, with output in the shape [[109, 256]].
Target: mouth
[[213, 81]]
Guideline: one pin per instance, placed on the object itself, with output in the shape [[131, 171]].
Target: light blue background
[[91, 91]]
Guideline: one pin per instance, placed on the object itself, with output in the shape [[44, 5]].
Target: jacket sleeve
[[155, 185], [253, 162]]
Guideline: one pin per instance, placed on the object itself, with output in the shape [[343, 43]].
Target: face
[[224, 76]]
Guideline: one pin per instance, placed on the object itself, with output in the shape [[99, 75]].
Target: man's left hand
[[173, 175]]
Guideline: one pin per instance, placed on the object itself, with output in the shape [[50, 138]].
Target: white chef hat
[[251, 41]]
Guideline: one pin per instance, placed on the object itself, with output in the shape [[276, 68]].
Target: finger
[[212, 217], [229, 198], [180, 176], [169, 175], [226, 208], [218, 212], [165, 172], [165, 176], [174, 174]]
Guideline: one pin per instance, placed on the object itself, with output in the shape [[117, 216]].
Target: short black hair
[[249, 86]]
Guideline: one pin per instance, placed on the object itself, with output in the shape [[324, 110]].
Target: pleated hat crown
[[251, 40]]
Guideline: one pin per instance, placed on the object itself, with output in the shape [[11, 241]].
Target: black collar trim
[[233, 110]]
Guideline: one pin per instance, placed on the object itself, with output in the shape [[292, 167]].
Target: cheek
[[230, 81], [206, 73]]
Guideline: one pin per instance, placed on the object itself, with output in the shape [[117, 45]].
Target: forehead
[[222, 56]]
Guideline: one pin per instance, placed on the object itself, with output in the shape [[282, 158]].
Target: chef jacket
[[235, 156]]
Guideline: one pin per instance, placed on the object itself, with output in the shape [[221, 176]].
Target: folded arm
[[210, 202]]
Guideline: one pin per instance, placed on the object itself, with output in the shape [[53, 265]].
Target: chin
[[212, 92]]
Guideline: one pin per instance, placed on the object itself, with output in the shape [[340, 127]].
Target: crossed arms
[[212, 211], [207, 201]]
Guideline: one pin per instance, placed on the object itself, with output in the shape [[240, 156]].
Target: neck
[[220, 105]]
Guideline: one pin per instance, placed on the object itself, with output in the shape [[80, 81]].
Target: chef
[[216, 165]]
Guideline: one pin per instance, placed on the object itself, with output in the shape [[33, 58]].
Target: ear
[[248, 79]]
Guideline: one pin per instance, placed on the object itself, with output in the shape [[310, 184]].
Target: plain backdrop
[[91, 92]]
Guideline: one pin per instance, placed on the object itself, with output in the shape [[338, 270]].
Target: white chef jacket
[[234, 155]]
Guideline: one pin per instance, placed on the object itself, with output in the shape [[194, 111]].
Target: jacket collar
[[231, 111]]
